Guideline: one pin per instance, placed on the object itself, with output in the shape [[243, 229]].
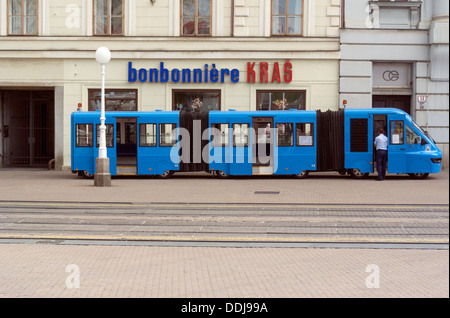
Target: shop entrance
[[28, 128], [402, 102]]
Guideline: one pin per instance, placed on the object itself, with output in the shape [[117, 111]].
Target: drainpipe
[[232, 18]]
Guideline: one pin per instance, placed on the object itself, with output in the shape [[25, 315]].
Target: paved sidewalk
[[42, 270], [114, 271], [319, 188]]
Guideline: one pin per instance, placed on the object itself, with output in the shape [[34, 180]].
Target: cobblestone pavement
[[118, 271], [50, 270]]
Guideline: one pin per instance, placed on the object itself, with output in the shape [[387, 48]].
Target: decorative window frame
[[4, 20], [286, 33], [108, 33], [413, 6]]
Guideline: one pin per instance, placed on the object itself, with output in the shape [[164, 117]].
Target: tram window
[[397, 132], [219, 135], [240, 135], [305, 134], [411, 137], [167, 135], [359, 138], [285, 135], [147, 135], [109, 135], [84, 135]]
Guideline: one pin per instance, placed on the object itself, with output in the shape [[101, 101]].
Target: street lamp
[[102, 177]]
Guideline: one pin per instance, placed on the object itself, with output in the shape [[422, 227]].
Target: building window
[[22, 17], [108, 17], [196, 17], [196, 100], [287, 17], [115, 99], [280, 100]]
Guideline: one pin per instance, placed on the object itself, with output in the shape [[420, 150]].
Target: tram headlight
[[436, 160]]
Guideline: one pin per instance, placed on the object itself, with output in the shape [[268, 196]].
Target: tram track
[[224, 224]]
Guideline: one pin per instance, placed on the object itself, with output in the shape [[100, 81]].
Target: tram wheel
[[357, 174], [221, 174], [418, 175], [166, 175], [87, 175], [302, 175]]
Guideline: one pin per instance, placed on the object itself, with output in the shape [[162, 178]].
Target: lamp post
[[102, 177]]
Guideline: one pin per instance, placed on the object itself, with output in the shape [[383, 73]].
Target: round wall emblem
[[391, 76]]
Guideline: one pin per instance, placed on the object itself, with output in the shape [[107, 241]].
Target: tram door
[[126, 141], [379, 121], [263, 141], [396, 144]]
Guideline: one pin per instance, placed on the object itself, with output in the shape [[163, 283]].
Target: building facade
[[166, 54], [395, 54], [213, 55]]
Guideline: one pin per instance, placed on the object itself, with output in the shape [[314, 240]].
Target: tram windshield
[[422, 131]]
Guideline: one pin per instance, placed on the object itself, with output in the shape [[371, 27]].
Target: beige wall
[[63, 54], [251, 18]]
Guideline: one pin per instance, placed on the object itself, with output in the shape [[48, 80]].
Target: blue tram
[[245, 143]]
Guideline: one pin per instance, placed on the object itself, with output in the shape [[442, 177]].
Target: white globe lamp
[[102, 175]]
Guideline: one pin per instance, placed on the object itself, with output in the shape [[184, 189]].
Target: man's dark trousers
[[381, 164]]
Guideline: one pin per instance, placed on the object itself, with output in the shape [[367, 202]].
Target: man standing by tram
[[381, 143]]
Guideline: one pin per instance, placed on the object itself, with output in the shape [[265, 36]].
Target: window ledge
[[395, 4]]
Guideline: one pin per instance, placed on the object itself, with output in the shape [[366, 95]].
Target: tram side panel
[[295, 143], [358, 142], [82, 148], [158, 147], [85, 142]]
